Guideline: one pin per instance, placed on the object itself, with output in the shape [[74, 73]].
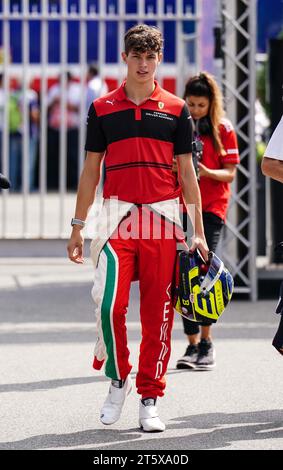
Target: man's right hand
[[75, 246]]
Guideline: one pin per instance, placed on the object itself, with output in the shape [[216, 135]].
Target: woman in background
[[216, 168]]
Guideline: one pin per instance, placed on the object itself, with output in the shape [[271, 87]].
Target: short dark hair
[[142, 38], [93, 70]]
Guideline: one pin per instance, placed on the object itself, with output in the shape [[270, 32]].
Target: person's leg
[[1, 164], [212, 229], [206, 332], [72, 159], [53, 159], [155, 271], [188, 360], [200, 350], [206, 357], [191, 329], [278, 338], [15, 160], [156, 259], [32, 161], [110, 292]]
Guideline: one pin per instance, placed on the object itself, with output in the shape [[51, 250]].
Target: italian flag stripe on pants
[[107, 306]]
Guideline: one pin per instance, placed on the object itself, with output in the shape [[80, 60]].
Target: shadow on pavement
[[73, 440], [70, 381], [50, 384], [258, 425], [66, 382], [217, 430]]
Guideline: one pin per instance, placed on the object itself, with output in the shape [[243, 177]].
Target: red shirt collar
[[121, 95]]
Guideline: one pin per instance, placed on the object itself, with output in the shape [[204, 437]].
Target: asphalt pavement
[[51, 396]]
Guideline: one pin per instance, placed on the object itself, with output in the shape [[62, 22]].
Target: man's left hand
[[200, 244]]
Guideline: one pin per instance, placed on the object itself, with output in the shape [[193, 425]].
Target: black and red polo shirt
[[139, 143]]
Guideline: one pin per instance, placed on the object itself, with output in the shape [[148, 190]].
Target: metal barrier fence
[[39, 212], [47, 215], [239, 245]]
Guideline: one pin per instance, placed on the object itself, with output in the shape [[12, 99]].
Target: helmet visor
[[215, 269]]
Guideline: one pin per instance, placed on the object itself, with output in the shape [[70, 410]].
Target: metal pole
[[102, 36], [197, 41], [83, 72], [6, 83], [218, 59], [141, 9], [180, 52], [25, 128], [160, 24], [121, 33], [43, 118], [160, 11], [239, 50], [252, 155], [63, 126]]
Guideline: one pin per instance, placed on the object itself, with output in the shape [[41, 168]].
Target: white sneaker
[[148, 417], [112, 407]]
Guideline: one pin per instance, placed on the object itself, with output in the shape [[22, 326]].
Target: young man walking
[[137, 129]]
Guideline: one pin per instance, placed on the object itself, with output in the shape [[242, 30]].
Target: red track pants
[[120, 262]]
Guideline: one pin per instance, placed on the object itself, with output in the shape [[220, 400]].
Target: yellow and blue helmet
[[201, 291]]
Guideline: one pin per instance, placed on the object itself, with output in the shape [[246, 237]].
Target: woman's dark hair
[[198, 86], [204, 84]]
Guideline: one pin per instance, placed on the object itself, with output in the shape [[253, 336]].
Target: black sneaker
[[278, 338], [206, 356], [189, 359]]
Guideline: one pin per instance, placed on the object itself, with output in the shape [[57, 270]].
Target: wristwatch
[[77, 222]]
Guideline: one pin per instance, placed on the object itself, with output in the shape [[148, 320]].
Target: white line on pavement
[[31, 327]]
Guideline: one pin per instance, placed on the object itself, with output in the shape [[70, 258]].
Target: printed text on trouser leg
[[163, 335]]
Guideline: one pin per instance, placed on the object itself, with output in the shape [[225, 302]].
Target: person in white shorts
[[272, 166], [272, 163]]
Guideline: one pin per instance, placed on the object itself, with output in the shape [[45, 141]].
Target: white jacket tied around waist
[[113, 211]]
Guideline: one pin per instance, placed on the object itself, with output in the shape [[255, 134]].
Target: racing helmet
[[201, 291]]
